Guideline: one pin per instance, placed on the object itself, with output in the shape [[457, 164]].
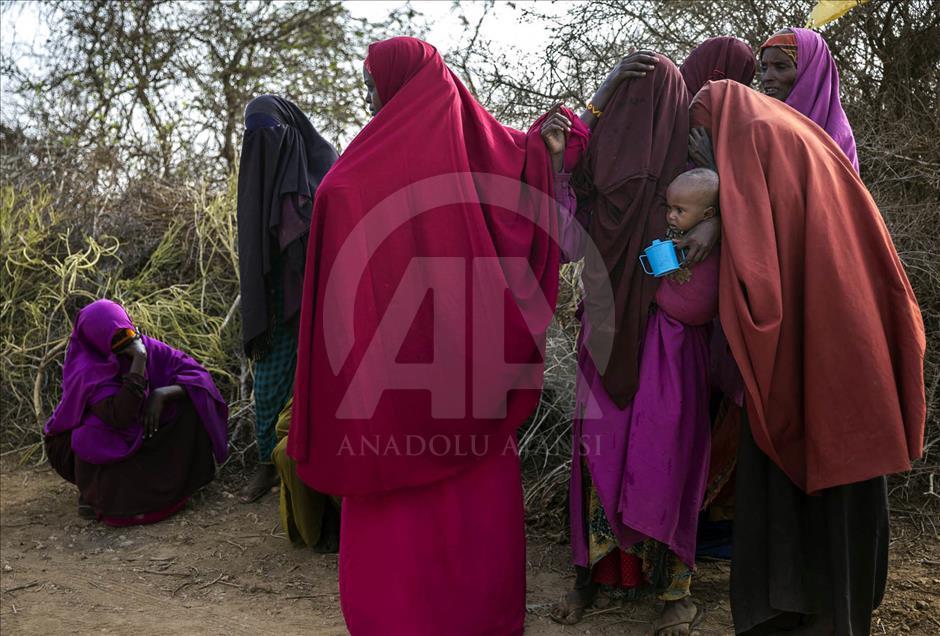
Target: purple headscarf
[[815, 92], [92, 372]]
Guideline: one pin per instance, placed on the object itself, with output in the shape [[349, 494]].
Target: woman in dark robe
[[138, 423], [824, 327], [283, 161]]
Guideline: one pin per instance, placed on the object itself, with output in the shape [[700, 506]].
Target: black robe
[[817, 564], [283, 161]]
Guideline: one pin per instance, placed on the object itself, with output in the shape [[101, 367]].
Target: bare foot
[[678, 618], [570, 609], [261, 482]]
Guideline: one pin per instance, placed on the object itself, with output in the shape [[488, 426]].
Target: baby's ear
[[709, 212]]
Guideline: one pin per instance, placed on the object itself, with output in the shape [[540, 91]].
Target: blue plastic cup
[[660, 258]]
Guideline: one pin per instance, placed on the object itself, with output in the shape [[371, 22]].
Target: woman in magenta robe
[[413, 370]]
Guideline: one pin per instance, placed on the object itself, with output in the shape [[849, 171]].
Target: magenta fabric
[[415, 183], [92, 372], [694, 302], [450, 556], [447, 558], [145, 518], [815, 93], [649, 461]]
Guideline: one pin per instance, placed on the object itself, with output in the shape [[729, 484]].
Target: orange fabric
[[121, 338], [813, 299]]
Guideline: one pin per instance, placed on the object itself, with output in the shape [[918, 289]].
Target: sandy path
[[224, 568]]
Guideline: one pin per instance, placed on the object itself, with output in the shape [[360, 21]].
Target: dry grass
[[173, 267]]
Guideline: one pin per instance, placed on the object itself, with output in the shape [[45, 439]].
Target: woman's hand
[[700, 240], [153, 410], [555, 130], [635, 64], [134, 349], [700, 149], [137, 352], [155, 403]]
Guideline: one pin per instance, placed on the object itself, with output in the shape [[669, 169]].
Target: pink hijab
[[430, 211]]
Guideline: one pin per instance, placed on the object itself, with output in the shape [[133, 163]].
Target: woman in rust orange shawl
[[824, 326]]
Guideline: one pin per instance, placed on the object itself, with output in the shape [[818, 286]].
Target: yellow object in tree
[[826, 11]]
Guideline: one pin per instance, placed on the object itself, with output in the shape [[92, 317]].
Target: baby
[[691, 198]]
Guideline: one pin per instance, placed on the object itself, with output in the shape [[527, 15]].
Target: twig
[[235, 585], [217, 579], [37, 383], [184, 584], [290, 598], [629, 620], [22, 587], [16, 450], [231, 312], [603, 611], [237, 545], [162, 573]]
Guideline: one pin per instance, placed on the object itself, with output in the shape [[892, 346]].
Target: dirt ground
[[220, 567]]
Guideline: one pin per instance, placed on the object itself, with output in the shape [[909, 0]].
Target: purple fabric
[[649, 461], [815, 92], [572, 222], [92, 372]]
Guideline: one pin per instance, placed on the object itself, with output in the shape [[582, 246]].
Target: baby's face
[[688, 204]]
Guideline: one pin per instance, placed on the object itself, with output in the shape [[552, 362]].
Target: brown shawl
[[638, 147], [813, 298]]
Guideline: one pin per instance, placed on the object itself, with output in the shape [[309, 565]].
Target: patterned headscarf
[[783, 40]]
